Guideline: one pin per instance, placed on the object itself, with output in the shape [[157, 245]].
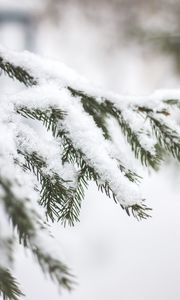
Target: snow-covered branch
[[59, 133]]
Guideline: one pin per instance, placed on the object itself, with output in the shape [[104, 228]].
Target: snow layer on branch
[[84, 134], [48, 149], [53, 78], [45, 70], [89, 139]]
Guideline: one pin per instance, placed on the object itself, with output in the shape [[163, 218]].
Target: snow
[[79, 126], [53, 79], [49, 150], [46, 70], [28, 135]]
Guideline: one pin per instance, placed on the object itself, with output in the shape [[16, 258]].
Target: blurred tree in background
[[152, 25]]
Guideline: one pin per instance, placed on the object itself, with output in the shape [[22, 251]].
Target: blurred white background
[[131, 47]]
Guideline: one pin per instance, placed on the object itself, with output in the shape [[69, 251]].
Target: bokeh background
[[130, 47]]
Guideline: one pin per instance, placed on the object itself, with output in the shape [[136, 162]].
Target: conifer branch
[[9, 288], [17, 213], [61, 199], [26, 225], [49, 117], [55, 268], [99, 111], [70, 210], [168, 138], [88, 173], [17, 72], [54, 193]]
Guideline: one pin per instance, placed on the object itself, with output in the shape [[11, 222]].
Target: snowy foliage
[[56, 135]]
